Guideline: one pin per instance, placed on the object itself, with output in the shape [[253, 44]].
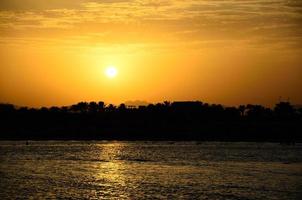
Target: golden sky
[[55, 52]]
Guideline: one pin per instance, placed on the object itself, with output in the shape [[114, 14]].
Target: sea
[[149, 170]]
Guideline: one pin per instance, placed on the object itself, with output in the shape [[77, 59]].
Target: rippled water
[[149, 170]]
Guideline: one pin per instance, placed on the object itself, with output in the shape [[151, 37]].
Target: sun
[[111, 72]]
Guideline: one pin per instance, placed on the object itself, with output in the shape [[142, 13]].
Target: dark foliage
[[162, 121]]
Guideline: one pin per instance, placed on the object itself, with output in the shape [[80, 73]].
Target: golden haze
[[230, 52]]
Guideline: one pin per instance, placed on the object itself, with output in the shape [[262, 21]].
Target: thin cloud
[[127, 20]]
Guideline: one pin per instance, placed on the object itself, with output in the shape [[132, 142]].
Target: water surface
[[149, 170]]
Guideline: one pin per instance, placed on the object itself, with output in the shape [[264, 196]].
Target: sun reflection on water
[[111, 171]]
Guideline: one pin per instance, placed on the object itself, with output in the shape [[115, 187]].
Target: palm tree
[[284, 110], [110, 108], [81, 107], [242, 109], [93, 107], [101, 105]]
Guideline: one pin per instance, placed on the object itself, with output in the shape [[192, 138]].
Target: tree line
[[190, 120]]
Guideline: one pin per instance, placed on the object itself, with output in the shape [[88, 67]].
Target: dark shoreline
[[289, 142], [177, 121]]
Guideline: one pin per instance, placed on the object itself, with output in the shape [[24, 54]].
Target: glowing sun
[[111, 72]]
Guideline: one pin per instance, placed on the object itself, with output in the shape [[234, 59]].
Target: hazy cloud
[[165, 19]]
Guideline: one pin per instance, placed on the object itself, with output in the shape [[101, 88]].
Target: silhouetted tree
[[93, 107], [7, 108], [242, 109], [64, 109], [167, 104], [101, 105], [54, 109], [255, 111], [284, 110], [175, 120], [110, 108], [81, 107], [122, 107]]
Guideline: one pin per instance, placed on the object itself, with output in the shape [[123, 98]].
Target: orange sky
[[55, 52]]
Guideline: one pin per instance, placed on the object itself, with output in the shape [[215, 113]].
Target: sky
[[232, 52]]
